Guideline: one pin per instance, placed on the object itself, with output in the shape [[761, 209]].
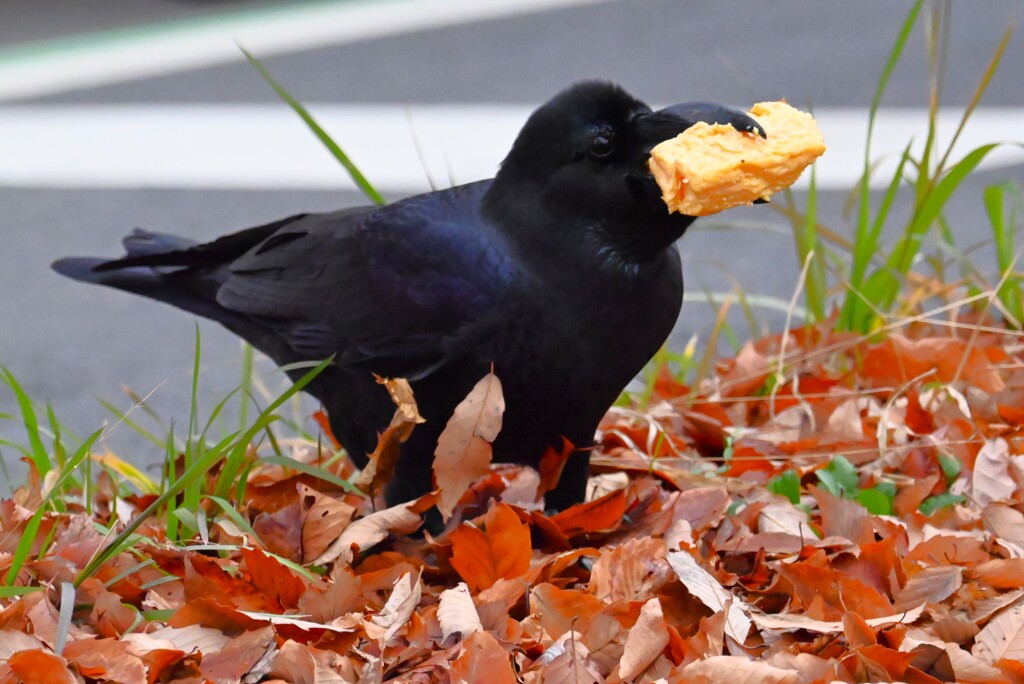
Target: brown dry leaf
[[645, 641], [323, 520], [711, 593], [400, 606], [369, 531], [991, 480], [703, 507], [249, 655], [1002, 637], [11, 642], [563, 610], [1005, 523], [970, 668], [931, 585], [482, 660], [105, 660], [858, 632], [272, 577], [567, 661], [631, 571], [794, 621], [734, 670], [1005, 573], [503, 552], [39, 667], [381, 466], [344, 595], [187, 639], [600, 515], [843, 518], [457, 614], [463, 451]]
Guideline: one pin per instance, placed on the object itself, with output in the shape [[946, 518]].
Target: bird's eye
[[601, 145]]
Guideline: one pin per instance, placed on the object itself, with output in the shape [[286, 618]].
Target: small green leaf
[[875, 501], [839, 477], [950, 466], [786, 484], [934, 503]]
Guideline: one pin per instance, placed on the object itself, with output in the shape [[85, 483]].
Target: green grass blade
[[864, 209], [353, 171], [37, 452]]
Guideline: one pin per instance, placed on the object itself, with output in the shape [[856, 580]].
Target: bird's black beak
[[669, 122]]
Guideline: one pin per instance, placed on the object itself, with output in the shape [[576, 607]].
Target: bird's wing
[[387, 288]]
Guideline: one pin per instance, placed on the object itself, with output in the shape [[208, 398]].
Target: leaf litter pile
[[824, 507]]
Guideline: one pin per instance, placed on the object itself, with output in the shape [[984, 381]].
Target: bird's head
[[581, 158]]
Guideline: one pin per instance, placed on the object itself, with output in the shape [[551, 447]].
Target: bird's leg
[[572, 485]]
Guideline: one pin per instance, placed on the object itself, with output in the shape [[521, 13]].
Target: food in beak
[[712, 167]]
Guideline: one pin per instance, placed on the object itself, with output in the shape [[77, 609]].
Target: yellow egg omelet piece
[[712, 167]]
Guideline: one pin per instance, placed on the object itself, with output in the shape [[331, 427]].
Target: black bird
[[561, 272]]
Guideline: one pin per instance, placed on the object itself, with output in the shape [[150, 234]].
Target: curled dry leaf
[[464, 448], [992, 480], [368, 531], [711, 593], [457, 613], [567, 661], [381, 466], [400, 606], [645, 641]]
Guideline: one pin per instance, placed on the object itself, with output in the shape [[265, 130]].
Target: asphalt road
[[68, 343]]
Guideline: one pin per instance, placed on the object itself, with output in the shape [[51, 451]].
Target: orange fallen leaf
[[464, 448], [600, 515], [502, 552], [482, 660]]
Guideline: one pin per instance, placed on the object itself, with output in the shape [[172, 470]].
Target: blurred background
[[116, 114]]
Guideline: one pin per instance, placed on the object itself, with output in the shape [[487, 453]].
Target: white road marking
[[120, 55], [268, 147]]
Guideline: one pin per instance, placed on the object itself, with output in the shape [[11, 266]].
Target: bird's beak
[[669, 122]]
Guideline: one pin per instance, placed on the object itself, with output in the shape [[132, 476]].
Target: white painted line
[[268, 147], [114, 56]]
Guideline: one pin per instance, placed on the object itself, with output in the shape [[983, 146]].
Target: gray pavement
[[68, 343]]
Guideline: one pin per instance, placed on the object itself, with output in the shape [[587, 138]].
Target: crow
[[560, 273]]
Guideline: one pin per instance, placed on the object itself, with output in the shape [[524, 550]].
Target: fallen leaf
[[463, 451], [400, 606], [381, 465], [502, 552], [600, 515], [991, 480], [247, 656], [456, 612], [795, 621], [368, 531], [735, 670], [567, 661], [931, 585], [1002, 637], [323, 520], [277, 581], [105, 660], [39, 667], [482, 660], [711, 593], [645, 641]]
